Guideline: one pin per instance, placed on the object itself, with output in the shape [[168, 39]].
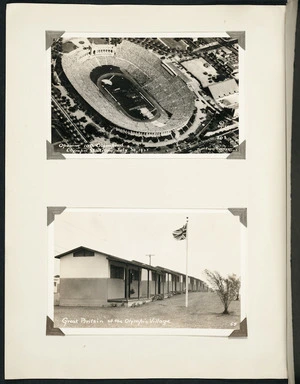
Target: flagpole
[[186, 275]]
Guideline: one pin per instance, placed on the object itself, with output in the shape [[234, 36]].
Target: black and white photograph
[[147, 269], [145, 95], [146, 254]]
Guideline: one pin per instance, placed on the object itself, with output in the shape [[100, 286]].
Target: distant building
[[93, 278], [102, 49], [225, 93]]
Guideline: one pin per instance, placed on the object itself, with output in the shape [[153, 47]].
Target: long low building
[[92, 278]]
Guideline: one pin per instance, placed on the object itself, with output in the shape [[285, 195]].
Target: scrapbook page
[[146, 192]]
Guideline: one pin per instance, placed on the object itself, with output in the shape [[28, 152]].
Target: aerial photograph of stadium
[[146, 95]]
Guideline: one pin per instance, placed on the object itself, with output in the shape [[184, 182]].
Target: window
[[134, 275], [116, 272], [153, 276], [83, 252]]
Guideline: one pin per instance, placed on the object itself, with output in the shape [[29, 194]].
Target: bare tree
[[226, 288]]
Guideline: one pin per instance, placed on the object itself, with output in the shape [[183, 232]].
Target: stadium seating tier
[[170, 92]]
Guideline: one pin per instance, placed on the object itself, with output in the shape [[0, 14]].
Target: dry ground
[[204, 311]]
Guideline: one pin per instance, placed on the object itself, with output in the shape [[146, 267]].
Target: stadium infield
[[125, 93]]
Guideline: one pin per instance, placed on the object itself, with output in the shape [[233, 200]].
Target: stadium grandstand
[[160, 85]]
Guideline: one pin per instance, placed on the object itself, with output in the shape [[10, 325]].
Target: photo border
[[241, 332], [240, 154]]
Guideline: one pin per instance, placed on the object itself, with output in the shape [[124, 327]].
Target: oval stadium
[[144, 95], [163, 102]]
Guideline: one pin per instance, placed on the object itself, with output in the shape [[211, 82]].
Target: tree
[[236, 285], [226, 288]]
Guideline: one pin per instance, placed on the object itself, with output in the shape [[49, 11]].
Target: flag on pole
[[180, 234]]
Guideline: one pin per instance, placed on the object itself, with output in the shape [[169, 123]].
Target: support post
[[126, 282], [139, 284], [186, 278], [148, 284]]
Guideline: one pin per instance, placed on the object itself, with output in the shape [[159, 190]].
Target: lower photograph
[[147, 271]]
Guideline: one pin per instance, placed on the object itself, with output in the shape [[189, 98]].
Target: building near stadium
[[201, 70], [102, 50], [92, 278], [226, 93]]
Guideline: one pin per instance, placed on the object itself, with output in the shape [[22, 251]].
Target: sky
[[214, 237]]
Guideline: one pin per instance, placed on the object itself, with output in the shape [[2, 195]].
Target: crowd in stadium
[[81, 115]]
